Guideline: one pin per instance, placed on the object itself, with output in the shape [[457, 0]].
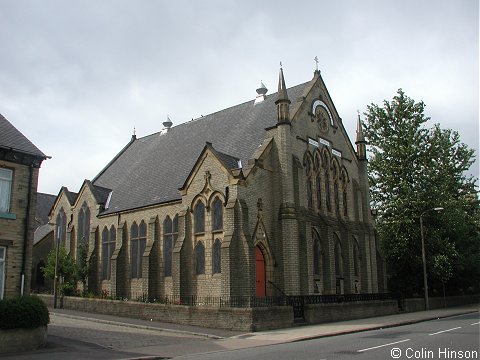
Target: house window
[[108, 247], [6, 176], [217, 257], [83, 225], [3, 255], [61, 227], [200, 258], [199, 217], [217, 213], [138, 239]]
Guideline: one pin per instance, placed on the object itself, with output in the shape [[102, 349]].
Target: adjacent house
[[20, 162], [43, 243], [265, 198]]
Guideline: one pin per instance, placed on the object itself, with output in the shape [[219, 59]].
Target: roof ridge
[[203, 117]]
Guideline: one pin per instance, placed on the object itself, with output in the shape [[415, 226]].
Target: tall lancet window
[[308, 173], [318, 181]]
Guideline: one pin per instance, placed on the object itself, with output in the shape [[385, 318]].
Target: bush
[[25, 312]]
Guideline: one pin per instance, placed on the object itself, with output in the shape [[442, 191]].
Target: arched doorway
[[260, 273]]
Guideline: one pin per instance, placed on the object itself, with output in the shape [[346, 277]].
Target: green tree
[[413, 169], [82, 267], [65, 270]]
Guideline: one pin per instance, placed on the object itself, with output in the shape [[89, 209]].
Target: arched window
[[338, 260], [199, 217], [138, 239], [308, 173], [345, 203], [336, 198], [200, 258], [83, 225], [318, 189], [108, 247], [356, 259], [217, 257], [61, 225], [167, 246], [217, 214], [327, 191], [316, 256]]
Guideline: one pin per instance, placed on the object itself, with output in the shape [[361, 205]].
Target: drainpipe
[[27, 224]]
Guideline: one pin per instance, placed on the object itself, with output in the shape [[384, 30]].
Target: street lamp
[[424, 262], [55, 282]]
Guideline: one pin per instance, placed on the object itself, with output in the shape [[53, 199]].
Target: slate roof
[[150, 170], [44, 205], [13, 139]]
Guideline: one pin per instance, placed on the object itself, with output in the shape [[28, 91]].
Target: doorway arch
[[260, 273]]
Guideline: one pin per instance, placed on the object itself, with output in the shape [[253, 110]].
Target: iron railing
[[253, 301]]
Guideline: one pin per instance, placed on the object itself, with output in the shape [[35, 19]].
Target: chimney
[[261, 91]]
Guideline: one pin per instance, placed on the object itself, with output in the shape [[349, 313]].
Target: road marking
[[475, 323], [439, 332], [379, 346]]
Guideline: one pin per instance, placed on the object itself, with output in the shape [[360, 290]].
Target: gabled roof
[[150, 170], [12, 139]]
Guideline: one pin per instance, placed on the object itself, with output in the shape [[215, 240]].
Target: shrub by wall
[[25, 312]]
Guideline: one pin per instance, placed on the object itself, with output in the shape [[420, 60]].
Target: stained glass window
[[217, 214], [199, 217], [200, 258]]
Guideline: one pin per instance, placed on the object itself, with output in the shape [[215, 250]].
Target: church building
[[266, 198]]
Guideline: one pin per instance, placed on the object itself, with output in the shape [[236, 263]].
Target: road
[[85, 339], [447, 338]]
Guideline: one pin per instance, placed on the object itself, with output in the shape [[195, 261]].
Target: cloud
[[77, 77]]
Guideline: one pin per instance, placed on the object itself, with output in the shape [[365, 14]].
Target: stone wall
[[12, 229], [243, 319], [412, 305], [323, 313], [19, 340]]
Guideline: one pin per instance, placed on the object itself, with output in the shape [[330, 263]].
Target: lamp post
[[55, 282], [424, 262]]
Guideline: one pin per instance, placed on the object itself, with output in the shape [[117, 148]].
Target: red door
[[260, 272]]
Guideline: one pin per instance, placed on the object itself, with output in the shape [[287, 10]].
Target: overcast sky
[[77, 76]]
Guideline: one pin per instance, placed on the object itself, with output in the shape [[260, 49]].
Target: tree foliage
[[412, 170], [66, 270]]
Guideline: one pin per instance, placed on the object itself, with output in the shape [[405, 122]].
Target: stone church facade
[[265, 198]]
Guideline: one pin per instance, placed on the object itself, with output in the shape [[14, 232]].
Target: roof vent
[[261, 91], [166, 126]]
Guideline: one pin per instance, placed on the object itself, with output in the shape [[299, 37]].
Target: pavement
[[227, 339]]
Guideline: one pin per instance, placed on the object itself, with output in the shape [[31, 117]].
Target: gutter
[[27, 224]]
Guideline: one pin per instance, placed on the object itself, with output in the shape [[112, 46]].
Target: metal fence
[[253, 301]]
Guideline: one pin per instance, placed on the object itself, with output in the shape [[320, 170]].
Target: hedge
[[25, 312]]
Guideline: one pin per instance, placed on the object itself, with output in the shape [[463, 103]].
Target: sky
[[76, 77]]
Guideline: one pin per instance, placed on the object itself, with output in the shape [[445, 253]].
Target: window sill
[[217, 231], [10, 216]]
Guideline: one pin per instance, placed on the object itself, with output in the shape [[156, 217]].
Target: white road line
[[475, 323], [379, 346], [439, 332]]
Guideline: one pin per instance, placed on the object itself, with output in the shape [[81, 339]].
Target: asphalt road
[[74, 338], [449, 338]]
